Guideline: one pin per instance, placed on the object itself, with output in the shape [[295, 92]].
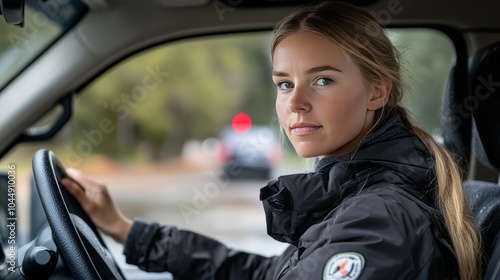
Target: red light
[[242, 123]]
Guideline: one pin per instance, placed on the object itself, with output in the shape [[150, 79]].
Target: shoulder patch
[[344, 266]]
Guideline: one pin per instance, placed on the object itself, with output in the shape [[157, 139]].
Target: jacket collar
[[293, 203]]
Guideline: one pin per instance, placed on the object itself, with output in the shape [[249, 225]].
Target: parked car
[[251, 153], [117, 87]]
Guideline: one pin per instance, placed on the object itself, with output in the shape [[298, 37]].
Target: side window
[[426, 57], [186, 133]]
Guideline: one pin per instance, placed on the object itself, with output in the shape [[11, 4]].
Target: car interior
[[482, 195], [57, 56]]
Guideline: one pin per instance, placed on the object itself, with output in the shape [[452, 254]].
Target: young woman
[[385, 200]]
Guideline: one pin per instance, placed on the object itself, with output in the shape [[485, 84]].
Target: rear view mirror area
[[13, 11]]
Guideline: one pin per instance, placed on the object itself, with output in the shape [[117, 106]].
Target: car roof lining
[[128, 36]]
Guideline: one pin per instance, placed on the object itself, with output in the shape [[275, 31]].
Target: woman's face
[[323, 102]]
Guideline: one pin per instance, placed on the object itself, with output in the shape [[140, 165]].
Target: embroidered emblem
[[344, 266]]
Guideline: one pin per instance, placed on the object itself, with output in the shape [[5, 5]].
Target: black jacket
[[369, 216]]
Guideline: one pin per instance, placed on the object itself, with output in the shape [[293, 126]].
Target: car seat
[[456, 120], [482, 101]]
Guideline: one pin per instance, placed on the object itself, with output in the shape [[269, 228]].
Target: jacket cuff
[[139, 241]]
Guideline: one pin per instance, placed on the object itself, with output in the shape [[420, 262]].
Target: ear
[[379, 95]]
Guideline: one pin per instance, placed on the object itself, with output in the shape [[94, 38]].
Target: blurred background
[[186, 133]]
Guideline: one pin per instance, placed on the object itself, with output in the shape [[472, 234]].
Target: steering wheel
[[79, 245]]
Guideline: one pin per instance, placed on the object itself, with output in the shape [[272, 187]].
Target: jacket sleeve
[[188, 255]]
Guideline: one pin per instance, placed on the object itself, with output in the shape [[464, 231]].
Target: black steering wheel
[[76, 237]]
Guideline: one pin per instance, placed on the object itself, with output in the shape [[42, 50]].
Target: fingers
[[81, 179], [75, 189], [86, 184], [86, 191], [97, 202]]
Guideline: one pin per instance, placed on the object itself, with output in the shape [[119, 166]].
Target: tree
[[185, 90], [426, 60]]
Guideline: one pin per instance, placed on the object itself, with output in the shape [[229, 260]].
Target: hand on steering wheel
[[96, 201], [77, 243]]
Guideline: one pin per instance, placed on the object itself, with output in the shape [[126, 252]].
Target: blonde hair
[[359, 33]]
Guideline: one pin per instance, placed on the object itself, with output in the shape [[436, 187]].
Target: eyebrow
[[322, 68], [310, 71]]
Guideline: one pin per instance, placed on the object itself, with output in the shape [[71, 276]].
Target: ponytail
[[463, 232]]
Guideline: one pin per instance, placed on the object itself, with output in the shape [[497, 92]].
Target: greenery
[[151, 104], [426, 62], [206, 81], [201, 85]]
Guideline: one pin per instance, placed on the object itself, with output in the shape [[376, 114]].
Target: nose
[[299, 101]]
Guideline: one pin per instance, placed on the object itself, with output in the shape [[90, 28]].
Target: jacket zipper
[[283, 272]]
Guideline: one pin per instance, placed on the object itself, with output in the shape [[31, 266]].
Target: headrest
[[484, 103], [456, 121]]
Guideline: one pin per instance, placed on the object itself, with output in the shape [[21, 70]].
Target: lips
[[301, 129]]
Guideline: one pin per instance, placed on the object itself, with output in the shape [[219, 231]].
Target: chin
[[306, 150], [306, 154]]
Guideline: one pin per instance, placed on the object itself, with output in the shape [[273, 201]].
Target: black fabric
[[393, 128], [492, 270], [386, 226], [484, 101], [483, 199], [295, 202], [456, 117], [140, 236]]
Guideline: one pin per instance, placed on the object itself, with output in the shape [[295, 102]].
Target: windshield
[[44, 22]]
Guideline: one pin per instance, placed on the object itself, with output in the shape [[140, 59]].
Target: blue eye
[[324, 81], [285, 85]]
